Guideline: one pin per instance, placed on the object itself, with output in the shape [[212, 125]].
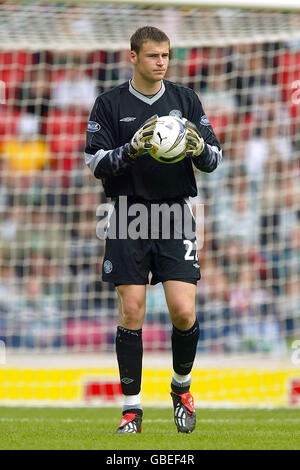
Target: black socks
[[184, 347], [129, 348]]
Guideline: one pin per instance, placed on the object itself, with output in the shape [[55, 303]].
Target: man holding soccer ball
[[119, 151]]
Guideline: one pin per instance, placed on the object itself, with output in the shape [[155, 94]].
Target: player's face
[[151, 63]]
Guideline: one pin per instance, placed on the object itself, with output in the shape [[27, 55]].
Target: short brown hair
[[147, 33]]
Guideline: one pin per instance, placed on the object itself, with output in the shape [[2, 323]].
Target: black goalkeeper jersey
[[116, 116]]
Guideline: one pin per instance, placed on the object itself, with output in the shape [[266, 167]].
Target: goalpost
[[57, 319]]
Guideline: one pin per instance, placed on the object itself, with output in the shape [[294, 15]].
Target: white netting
[[245, 65], [90, 26]]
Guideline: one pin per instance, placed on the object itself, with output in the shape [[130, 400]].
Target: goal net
[[245, 66]]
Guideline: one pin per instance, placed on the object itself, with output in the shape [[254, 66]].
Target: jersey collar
[[144, 98]]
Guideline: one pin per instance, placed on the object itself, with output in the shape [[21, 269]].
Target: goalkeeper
[[121, 124]]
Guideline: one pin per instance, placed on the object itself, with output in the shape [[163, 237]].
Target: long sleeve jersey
[[116, 116]]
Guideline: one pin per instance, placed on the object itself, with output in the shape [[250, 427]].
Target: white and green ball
[[168, 140]]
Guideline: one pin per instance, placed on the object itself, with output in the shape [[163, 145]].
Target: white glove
[[140, 141], [194, 141]]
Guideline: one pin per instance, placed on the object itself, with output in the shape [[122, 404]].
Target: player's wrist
[[202, 154], [200, 148], [195, 145], [140, 141], [130, 152], [194, 141]]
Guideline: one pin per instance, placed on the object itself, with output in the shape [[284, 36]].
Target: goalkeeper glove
[[194, 141], [140, 141]]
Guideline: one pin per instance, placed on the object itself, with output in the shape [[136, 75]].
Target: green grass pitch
[[93, 428]]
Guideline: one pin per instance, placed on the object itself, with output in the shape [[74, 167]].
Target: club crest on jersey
[[93, 126], [204, 121], [175, 113]]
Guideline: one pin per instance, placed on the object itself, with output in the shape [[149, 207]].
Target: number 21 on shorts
[[189, 256]]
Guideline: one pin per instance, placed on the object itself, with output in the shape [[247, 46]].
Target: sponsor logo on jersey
[[204, 121], [128, 119], [93, 126], [175, 113], [107, 266]]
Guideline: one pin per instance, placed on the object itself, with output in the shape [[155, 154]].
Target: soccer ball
[[168, 140]]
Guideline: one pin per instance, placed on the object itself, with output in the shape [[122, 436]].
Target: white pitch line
[[199, 420]]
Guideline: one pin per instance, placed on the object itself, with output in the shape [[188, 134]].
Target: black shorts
[[150, 248]]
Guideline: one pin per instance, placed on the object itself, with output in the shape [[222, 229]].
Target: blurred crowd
[[51, 294]]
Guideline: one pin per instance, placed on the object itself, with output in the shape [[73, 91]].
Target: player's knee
[[183, 317], [132, 312]]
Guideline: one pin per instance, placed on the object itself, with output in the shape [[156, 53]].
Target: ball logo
[[168, 140], [161, 138], [107, 266]]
